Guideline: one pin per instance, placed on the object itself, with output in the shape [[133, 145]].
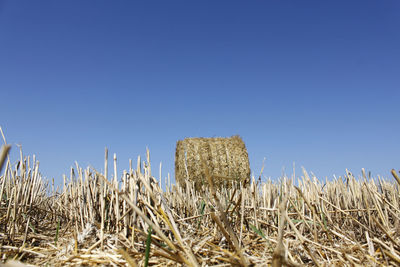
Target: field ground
[[106, 219]]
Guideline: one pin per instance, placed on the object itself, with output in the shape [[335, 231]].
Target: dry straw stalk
[[301, 221]]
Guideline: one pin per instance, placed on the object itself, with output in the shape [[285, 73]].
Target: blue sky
[[310, 82]]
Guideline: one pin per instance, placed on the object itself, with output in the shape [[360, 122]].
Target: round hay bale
[[226, 158]]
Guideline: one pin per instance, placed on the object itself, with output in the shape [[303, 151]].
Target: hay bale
[[226, 158]]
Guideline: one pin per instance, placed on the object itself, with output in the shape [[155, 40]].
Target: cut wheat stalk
[[343, 221]]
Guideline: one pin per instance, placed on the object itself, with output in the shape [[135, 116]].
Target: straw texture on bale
[[226, 158]]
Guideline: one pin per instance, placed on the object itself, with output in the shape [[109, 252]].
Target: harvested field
[[99, 219]]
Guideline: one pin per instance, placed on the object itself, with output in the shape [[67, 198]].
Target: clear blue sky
[[311, 82]]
